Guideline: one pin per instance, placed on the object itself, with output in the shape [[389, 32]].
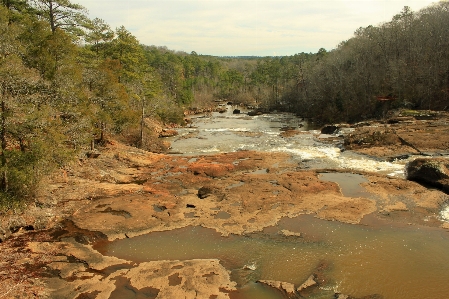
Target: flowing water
[[229, 132], [394, 262]]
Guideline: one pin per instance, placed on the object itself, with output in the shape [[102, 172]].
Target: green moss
[[410, 113]]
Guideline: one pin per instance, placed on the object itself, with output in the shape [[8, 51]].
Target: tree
[[145, 91], [99, 35], [63, 14], [16, 8], [27, 124], [125, 48], [109, 100]]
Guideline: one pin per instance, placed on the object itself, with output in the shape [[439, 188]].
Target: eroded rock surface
[[75, 263], [127, 192], [403, 135]]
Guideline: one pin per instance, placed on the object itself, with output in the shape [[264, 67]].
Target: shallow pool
[[394, 262]]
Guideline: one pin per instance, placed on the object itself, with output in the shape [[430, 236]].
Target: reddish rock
[[210, 169]]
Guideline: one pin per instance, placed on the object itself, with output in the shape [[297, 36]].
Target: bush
[[25, 169], [172, 114]]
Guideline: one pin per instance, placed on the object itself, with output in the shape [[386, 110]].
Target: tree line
[[68, 82], [405, 61]]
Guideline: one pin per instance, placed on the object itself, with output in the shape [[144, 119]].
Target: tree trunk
[[102, 129], [142, 122], [51, 17], [4, 175]]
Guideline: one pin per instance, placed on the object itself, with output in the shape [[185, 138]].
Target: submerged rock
[[308, 283], [288, 289], [343, 296], [251, 267], [288, 233]]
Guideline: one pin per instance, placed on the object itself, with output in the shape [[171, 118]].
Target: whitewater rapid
[[229, 132]]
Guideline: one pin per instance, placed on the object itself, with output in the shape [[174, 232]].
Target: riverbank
[[126, 192]]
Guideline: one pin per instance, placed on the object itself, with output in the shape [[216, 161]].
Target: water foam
[[444, 214], [227, 130], [333, 154]]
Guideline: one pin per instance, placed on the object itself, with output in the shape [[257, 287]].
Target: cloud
[[246, 27]]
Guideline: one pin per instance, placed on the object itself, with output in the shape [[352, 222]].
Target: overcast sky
[[245, 27]]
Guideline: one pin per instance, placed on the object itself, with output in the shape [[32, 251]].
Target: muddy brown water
[[349, 183], [407, 262], [393, 262]]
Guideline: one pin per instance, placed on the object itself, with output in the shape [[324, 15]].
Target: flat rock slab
[[201, 278], [126, 192]]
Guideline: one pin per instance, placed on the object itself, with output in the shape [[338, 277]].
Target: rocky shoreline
[[126, 192]]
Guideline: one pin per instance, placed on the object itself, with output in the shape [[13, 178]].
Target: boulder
[[236, 111], [255, 112], [329, 129], [431, 171], [168, 133]]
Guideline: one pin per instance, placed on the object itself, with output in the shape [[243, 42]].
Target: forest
[[68, 82]]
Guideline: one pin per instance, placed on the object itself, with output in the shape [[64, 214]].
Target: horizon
[[229, 28]]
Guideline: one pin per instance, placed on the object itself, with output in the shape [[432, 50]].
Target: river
[[384, 261], [228, 132]]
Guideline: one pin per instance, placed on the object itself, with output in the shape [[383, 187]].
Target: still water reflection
[[410, 262]]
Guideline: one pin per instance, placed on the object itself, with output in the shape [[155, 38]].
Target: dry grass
[[21, 270]]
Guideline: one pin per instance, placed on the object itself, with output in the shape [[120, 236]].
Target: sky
[[246, 27]]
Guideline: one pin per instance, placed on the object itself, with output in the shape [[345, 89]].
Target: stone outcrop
[[432, 171], [256, 112], [82, 270], [127, 192], [402, 136]]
